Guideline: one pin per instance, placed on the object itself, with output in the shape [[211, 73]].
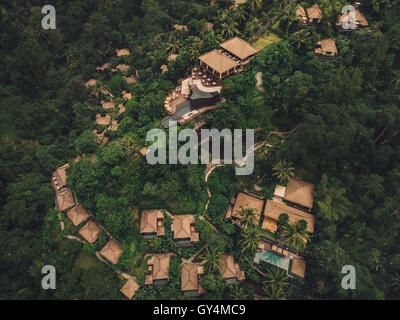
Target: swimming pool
[[272, 258]]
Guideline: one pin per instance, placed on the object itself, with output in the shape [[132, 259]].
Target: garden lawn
[[266, 40]]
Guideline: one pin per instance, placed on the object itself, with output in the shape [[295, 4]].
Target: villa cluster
[[185, 234], [65, 201], [295, 200], [326, 48]]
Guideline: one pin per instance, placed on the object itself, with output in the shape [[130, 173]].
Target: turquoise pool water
[[272, 258]]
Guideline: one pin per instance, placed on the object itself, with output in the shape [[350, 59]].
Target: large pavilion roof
[[218, 61], [112, 251], [129, 289], [90, 231], [239, 48], [77, 214], [300, 192]]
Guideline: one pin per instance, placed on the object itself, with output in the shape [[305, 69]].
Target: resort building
[[111, 251], [152, 224], [90, 83], [103, 67], [180, 27], [299, 198], [184, 230], [129, 289], [360, 22], [314, 15], [157, 269], [190, 274], [123, 67], [311, 16], [172, 57], [130, 80], [244, 201], [108, 104], [274, 209], [292, 263], [90, 231], [230, 270], [301, 14], [298, 192], [64, 200], [230, 59], [122, 52], [99, 137], [113, 126], [164, 68], [326, 50], [59, 178], [103, 121], [121, 108], [77, 214]]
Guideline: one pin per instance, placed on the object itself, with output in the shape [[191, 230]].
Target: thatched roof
[[65, 199], [209, 26], [103, 67], [126, 95], [218, 61], [228, 269], [107, 104], [121, 108], [300, 12], [327, 45], [112, 251], [180, 27], [189, 277], [273, 210], [239, 48], [246, 201], [129, 289], [60, 177], [148, 220], [99, 137], [114, 125], [164, 68], [123, 67], [77, 214], [360, 19], [122, 52], [130, 80], [300, 192], [182, 226], [104, 121], [90, 83], [172, 56], [314, 12], [298, 267], [90, 231], [143, 151], [160, 263]]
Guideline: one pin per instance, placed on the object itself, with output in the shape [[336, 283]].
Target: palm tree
[[248, 217], [237, 293], [283, 170], [276, 279], [396, 79], [229, 29], [210, 259], [250, 239], [299, 38], [296, 234], [395, 282], [255, 5], [273, 294], [173, 45]]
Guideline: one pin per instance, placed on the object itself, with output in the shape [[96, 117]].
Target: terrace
[[293, 264]]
